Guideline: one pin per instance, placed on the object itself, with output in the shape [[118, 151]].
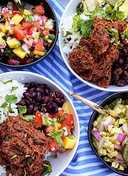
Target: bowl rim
[[94, 115], [56, 86], [49, 51], [111, 88]]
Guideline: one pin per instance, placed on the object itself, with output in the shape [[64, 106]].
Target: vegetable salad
[[110, 135], [26, 34]]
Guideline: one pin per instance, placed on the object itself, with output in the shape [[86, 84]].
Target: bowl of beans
[[28, 32]]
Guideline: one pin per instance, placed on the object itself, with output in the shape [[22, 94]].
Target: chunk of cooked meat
[[94, 57], [22, 147], [100, 41]]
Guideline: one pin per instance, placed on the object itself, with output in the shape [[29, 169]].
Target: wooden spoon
[[93, 105]]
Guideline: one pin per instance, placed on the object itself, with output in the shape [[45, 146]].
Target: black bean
[[39, 97]]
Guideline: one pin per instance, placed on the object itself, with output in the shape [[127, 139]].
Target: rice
[[15, 89], [2, 171], [70, 39]]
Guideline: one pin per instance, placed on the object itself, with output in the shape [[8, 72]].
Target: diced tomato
[[19, 34], [16, 12], [60, 112], [30, 31], [49, 129], [45, 32], [26, 25], [68, 121], [38, 119], [53, 146], [39, 9], [36, 24], [39, 46]]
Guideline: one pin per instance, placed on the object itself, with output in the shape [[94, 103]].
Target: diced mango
[[57, 126], [13, 43], [17, 19], [38, 53], [4, 28], [27, 12], [20, 52], [67, 107], [69, 142]]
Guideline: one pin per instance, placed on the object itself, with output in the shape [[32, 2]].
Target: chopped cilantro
[[57, 135], [22, 109], [10, 99]]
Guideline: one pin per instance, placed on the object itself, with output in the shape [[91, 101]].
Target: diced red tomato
[[60, 112], [68, 121], [53, 146], [38, 119], [19, 34], [45, 32], [26, 25], [16, 12], [39, 46], [39, 9]]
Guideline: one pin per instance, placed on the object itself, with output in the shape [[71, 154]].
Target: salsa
[[25, 34]]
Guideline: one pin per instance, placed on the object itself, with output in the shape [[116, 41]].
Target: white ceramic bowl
[[69, 11], [59, 164]]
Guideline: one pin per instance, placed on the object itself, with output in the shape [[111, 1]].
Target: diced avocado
[[13, 43], [69, 142], [38, 53], [20, 52], [17, 19], [67, 107]]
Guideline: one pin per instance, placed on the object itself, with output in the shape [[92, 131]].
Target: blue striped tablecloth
[[84, 163]]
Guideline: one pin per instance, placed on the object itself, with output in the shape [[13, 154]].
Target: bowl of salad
[[28, 32], [39, 127], [93, 41], [108, 136]]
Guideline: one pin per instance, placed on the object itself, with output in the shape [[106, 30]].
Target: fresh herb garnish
[[10, 99], [114, 35], [48, 121], [57, 135], [7, 81], [22, 110], [47, 168], [125, 34], [84, 27], [14, 88], [4, 105], [51, 36], [28, 117], [110, 11]]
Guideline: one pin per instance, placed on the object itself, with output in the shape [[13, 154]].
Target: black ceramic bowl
[[50, 14], [107, 101]]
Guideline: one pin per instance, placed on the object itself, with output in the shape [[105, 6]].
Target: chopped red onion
[[121, 137], [96, 134], [2, 46], [118, 146]]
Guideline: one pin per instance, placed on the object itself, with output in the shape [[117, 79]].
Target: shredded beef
[[94, 57], [22, 147]]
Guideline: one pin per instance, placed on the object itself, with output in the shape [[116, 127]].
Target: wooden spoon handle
[[89, 103]]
